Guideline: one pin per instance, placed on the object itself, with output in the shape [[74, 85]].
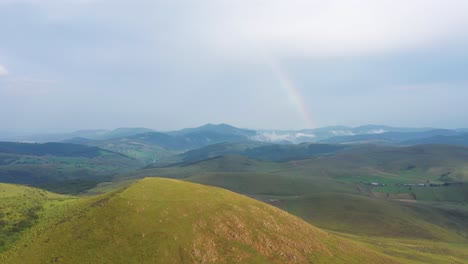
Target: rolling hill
[[459, 140], [158, 147], [169, 221], [252, 149], [335, 192]]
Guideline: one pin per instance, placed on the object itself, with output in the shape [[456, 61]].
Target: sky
[[261, 64]]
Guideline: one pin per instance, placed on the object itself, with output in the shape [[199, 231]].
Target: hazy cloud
[[3, 71]]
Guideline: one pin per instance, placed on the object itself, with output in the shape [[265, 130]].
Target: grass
[[330, 191], [377, 217], [169, 221], [21, 208], [416, 251]]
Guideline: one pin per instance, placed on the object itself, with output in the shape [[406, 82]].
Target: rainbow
[[293, 93]]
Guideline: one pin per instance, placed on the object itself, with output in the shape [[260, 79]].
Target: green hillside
[[169, 221], [21, 208]]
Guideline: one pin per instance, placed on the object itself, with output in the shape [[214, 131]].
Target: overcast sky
[[283, 64]]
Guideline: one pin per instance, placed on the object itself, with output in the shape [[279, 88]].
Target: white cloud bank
[[286, 27]]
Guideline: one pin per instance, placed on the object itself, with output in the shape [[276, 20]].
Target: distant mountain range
[[150, 146], [215, 131], [97, 134]]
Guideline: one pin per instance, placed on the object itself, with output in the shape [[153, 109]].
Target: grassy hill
[[168, 221]]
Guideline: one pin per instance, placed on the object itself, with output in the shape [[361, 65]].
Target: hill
[[412, 164], [335, 191], [158, 147], [459, 139], [192, 138], [213, 128], [96, 134], [252, 149], [62, 167], [281, 153], [53, 149], [169, 221], [146, 148]]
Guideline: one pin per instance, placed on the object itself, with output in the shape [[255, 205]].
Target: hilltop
[[170, 221]]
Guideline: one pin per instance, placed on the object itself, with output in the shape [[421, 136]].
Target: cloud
[[338, 27], [3, 71], [155, 51], [290, 27], [376, 131], [342, 132]]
